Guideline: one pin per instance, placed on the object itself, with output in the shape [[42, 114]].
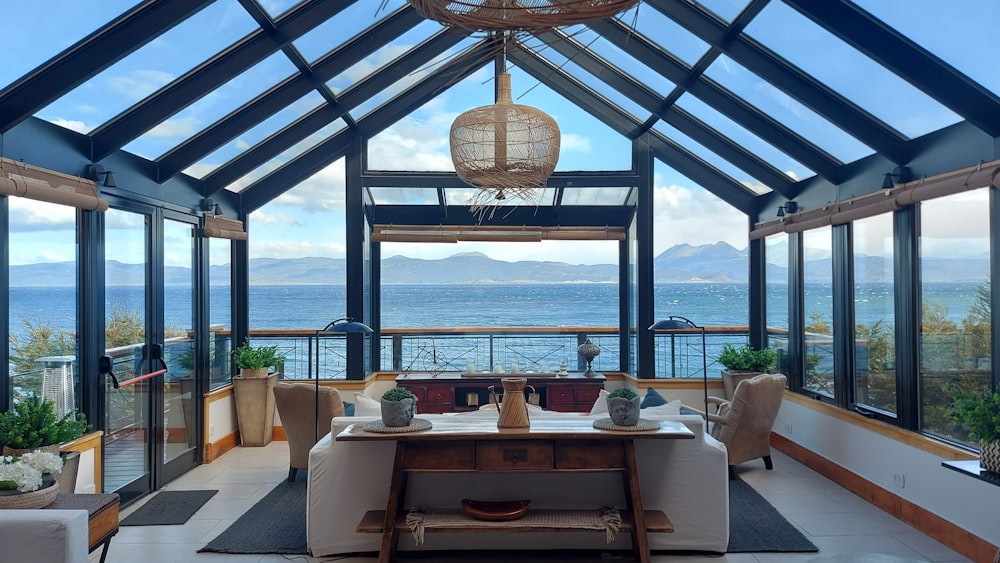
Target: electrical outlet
[[788, 428], [899, 480]]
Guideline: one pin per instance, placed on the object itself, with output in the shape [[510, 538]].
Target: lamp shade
[[673, 323], [520, 15], [504, 149], [347, 325]]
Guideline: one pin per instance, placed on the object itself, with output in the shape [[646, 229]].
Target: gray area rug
[[168, 507], [755, 526], [277, 524]]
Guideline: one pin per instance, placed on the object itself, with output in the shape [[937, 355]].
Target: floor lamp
[[677, 322], [345, 326]]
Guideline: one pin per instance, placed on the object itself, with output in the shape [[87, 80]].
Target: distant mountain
[[719, 262]]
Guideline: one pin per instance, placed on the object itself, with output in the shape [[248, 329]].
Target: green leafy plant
[[746, 358], [255, 357], [979, 413], [624, 393], [397, 394], [33, 423]]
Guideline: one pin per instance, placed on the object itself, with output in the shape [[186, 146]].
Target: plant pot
[[989, 456], [255, 408], [253, 373], [624, 412], [732, 378], [34, 499], [398, 413]]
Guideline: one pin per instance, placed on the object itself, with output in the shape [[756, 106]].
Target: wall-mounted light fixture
[[901, 175], [95, 171], [789, 207], [210, 207]]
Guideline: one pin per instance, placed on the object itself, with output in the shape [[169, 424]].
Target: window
[[220, 319], [776, 304], [955, 305], [818, 291], [874, 314]]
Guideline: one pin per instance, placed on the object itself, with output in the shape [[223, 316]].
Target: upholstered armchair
[[744, 423], [296, 404]]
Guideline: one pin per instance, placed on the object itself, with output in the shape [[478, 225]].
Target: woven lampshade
[[518, 15], [504, 149]]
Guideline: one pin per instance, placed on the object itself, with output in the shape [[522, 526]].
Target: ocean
[[482, 305]]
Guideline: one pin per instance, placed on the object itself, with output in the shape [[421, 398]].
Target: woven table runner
[[416, 425], [642, 426], [419, 519]]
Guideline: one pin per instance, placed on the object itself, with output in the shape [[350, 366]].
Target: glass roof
[[285, 92]]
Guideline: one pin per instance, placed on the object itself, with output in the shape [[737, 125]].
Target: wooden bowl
[[495, 511]]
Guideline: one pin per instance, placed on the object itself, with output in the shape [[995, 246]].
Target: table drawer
[[514, 455], [560, 395], [440, 395], [587, 394], [589, 454], [441, 455]]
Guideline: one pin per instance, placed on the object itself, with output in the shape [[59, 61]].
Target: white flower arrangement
[[24, 473]]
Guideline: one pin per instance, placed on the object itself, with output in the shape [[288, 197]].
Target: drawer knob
[[515, 455]]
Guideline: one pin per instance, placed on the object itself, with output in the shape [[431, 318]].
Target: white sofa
[[687, 479], [40, 535]]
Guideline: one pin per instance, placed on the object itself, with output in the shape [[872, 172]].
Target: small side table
[[102, 516]]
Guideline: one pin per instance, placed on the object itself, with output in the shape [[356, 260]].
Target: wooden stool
[[102, 516]]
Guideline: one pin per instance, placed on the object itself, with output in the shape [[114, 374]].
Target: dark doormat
[[756, 527], [276, 524], [168, 507]]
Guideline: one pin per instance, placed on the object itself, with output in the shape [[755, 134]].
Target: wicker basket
[[35, 499], [51, 448]]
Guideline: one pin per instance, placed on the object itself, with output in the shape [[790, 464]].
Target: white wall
[[221, 418], [961, 499]]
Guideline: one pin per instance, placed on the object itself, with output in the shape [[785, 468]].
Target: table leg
[[633, 495], [397, 494], [104, 550]]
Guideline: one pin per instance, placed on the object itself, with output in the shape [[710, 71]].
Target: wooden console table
[[453, 392], [548, 446], [102, 516]]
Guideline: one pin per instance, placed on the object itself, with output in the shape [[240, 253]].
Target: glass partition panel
[[776, 306], [220, 319], [43, 302], [874, 314], [955, 327], [818, 272]]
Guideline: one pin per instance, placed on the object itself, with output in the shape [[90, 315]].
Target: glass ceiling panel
[[254, 135], [612, 54], [61, 22], [409, 80], [209, 109], [711, 157], [596, 84], [275, 8], [586, 142], [463, 196], [151, 67], [405, 196], [419, 141], [741, 135], [386, 54], [667, 33], [963, 34], [845, 69], [342, 27], [725, 9], [296, 150], [786, 109], [594, 196]]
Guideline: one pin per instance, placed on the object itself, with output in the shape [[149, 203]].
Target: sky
[[307, 220]]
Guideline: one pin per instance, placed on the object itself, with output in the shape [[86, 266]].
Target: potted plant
[[979, 413], [623, 406], [254, 392], [743, 363], [33, 424], [398, 407], [29, 480]]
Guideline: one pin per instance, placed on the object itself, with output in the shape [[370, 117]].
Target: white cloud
[[73, 124], [296, 249], [178, 127], [574, 143], [694, 216], [140, 83], [265, 218]]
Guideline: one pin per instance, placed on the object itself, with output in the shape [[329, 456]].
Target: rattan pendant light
[[518, 15], [504, 149]]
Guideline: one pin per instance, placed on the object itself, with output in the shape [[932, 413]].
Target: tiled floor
[[838, 522]]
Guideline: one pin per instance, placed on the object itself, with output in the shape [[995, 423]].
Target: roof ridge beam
[[89, 56], [907, 59], [822, 99], [209, 75], [285, 93]]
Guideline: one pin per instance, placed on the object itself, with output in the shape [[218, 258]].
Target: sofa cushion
[[601, 404], [652, 399], [365, 405]]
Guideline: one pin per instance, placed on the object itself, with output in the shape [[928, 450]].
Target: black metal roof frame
[[952, 147]]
